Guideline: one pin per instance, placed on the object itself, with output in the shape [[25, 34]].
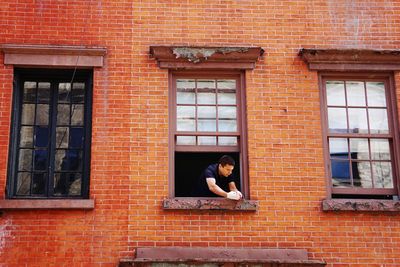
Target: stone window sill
[[360, 205], [189, 203], [32, 204]]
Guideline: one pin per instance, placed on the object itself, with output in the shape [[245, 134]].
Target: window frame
[[393, 135], [241, 148], [53, 75]]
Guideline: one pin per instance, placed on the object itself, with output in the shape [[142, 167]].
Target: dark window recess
[[50, 135]]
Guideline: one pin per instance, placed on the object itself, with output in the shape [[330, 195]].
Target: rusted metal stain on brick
[[197, 55]]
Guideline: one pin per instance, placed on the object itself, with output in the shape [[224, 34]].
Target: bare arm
[[215, 188]]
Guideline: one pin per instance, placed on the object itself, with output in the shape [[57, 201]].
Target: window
[[50, 134], [207, 121], [360, 135]]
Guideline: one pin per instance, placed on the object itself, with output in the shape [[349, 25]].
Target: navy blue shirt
[[211, 171]]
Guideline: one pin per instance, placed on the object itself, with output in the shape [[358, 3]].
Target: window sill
[[32, 204], [190, 203], [360, 205]]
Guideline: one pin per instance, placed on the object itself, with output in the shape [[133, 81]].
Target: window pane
[[67, 183], [26, 136], [186, 140], [382, 174], [41, 136], [362, 174], [23, 183], [76, 137], [338, 147], [227, 141], [25, 160], [64, 92], [359, 148], [340, 173], [227, 125], [205, 83], [185, 83], [40, 160], [184, 112], [207, 140], [335, 93], [185, 97], [376, 94], [337, 120], [207, 112], [77, 115], [68, 160], [39, 183], [42, 114], [226, 98], [378, 121], [206, 125], [63, 114], [44, 92], [78, 93], [28, 114], [226, 84], [227, 112], [62, 136], [358, 120], [206, 98], [380, 149], [185, 125], [355, 94], [29, 92]]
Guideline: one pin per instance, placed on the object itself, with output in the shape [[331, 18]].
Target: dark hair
[[226, 160]]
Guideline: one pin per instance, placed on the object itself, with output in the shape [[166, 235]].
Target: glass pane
[[67, 183], [26, 136], [41, 136], [378, 121], [25, 160], [206, 98], [355, 94], [75, 184], [28, 114], [29, 92], [340, 173], [205, 125], [227, 125], [39, 183], [207, 112], [68, 160], [76, 138], [183, 112], [205, 83], [226, 98], [63, 114], [185, 97], [226, 84], [227, 141], [358, 120], [380, 149], [40, 160], [382, 174], [362, 174], [338, 147], [62, 136], [186, 140], [337, 120], [42, 114], [227, 112], [78, 92], [77, 115], [359, 148], [376, 94], [64, 92], [185, 83], [335, 93], [185, 125], [60, 184], [44, 92], [23, 183], [207, 140]]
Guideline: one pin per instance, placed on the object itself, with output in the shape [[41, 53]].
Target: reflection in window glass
[[378, 121], [337, 120], [382, 172], [359, 148], [376, 94], [227, 141], [380, 149], [355, 93], [186, 140], [362, 174], [340, 173], [358, 120], [338, 147], [207, 140], [335, 93], [206, 125]]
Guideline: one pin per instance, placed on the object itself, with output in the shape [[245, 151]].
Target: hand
[[234, 195], [240, 194]]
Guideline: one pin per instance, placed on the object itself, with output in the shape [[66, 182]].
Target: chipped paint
[[197, 55]]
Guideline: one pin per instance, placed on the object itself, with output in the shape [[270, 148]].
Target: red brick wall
[[129, 166]]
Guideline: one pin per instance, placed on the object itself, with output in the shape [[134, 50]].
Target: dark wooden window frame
[[55, 75]]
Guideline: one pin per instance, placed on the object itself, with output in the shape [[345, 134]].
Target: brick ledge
[[191, 203], [360, 205], [31, 204]]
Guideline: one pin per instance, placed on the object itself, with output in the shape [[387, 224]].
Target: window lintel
[[351, 59], [189, 57]]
